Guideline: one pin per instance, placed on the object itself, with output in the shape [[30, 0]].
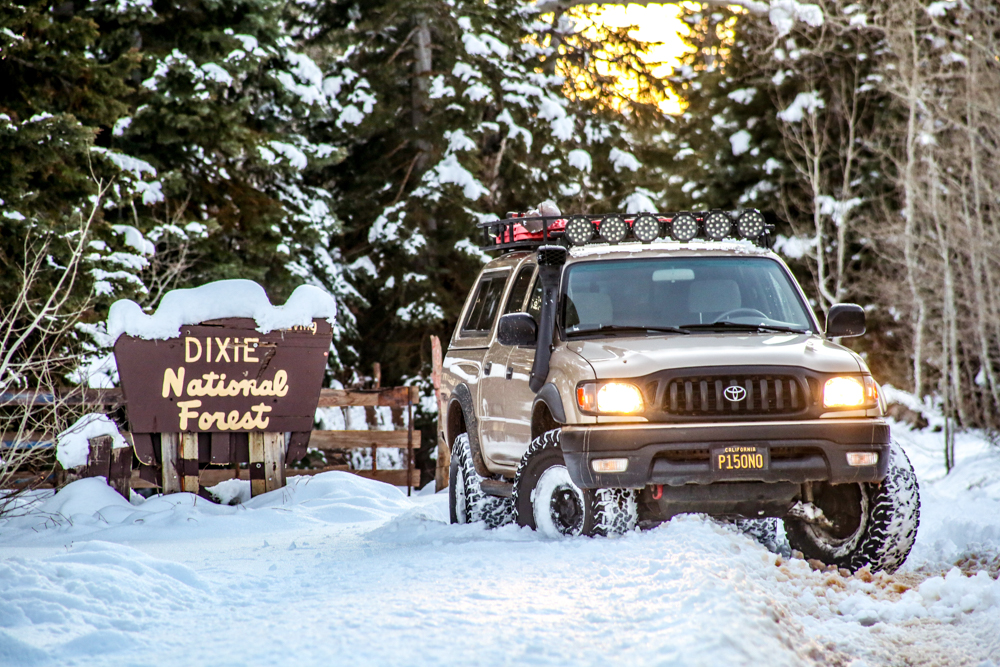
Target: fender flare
[[549, 396], [463, 395]]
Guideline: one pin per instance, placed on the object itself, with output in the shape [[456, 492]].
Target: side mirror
[[845, 319], [517, 329]]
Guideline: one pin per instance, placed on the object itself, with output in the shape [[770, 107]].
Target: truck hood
[[623, 357]]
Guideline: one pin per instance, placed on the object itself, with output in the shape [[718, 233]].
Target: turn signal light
[[609, 465], [861, 458]]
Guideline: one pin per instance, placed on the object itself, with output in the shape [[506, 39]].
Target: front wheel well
[[542, 420], [455, 424]]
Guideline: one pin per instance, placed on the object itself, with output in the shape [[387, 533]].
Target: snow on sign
[[224, 376]]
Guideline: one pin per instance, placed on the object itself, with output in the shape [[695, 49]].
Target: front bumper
[[678, 454]]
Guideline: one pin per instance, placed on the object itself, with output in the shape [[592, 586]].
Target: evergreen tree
[[451, 113]]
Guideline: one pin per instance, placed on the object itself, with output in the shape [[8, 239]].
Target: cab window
[[515, 301], [484, 309]]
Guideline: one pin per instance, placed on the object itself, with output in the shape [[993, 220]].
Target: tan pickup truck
[[609, 372]]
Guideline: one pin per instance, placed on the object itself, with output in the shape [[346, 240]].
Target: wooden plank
[[292, 472], [99, 457], [274, 461], [441, 474], [188, 453], [66, 396], [257, 475], [120, 470], [137, 482], [394, 477], [29, 438], [213, 476], [360, 439], [394, 397], [169, 446]]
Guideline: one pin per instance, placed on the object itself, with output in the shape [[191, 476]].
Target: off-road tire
[[594, 511], [466, 501], [889, 517], [764, 532]]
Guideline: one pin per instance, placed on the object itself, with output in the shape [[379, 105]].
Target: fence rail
[[180, 450]]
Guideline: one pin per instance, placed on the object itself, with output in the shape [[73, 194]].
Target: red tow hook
[[658, 493]]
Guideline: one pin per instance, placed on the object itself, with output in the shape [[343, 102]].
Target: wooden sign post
[[222, 393]]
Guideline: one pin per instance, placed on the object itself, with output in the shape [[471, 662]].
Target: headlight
[[609, 397], [850, 392]]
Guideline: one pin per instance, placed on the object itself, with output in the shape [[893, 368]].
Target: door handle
[[510, 372], [487, 368]]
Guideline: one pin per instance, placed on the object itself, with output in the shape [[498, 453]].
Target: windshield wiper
[[739, 326], [621, 328]]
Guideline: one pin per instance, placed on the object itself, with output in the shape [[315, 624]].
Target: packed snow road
[[340, 570]]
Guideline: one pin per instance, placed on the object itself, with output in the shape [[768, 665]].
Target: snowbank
[[224, 298], [73, 446]]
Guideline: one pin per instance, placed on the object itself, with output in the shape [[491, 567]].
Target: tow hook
[[657, 492], [809, 513]]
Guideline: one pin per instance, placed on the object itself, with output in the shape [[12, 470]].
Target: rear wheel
[[873, 524], [547, 500], [466, 501]]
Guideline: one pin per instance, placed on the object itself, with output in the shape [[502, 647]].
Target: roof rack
[[519, 231]]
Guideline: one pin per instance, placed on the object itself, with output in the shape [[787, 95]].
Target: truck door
[[479, 327], [510, 431]]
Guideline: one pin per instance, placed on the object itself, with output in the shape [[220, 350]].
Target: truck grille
[[756, 394]]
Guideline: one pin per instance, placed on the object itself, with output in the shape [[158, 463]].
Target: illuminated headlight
[[609, 465], [579, 230], [843, 392], [646, 228], [750, 224], [611, 397], [684, 227], [613, 229], [857, 459]]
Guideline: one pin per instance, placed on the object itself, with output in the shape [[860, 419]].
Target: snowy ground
[[340, 570]]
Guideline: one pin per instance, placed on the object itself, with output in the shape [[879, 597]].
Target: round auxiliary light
[[684, 227], [579, 230], [718, 225], [750, 224], [646, 227], [613, 228]]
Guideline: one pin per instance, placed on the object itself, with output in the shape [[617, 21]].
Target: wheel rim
[[842, 539], [558, 504]]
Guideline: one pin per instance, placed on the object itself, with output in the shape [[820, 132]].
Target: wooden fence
[[267, 451]]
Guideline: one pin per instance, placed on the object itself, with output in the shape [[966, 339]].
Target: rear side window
[[519, 290], [486, 305]]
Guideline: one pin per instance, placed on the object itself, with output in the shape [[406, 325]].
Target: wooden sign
[[224, 376]]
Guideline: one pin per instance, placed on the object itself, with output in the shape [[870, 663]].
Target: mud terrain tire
[[875, 524], [544, 494], [466, 501]]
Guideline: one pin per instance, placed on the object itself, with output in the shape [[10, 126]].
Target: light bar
[[684, 227], [750, 224], [718, 225], [580, 230], [646, 228], [613, 229]]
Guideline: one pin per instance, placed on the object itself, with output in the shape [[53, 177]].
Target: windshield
[[693, 293]]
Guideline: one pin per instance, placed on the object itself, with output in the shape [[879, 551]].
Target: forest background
[[148, 145]]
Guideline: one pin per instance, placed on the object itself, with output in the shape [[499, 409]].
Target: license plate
[[739, 458]]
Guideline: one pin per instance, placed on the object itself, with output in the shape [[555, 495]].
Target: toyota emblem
[[735, 393]]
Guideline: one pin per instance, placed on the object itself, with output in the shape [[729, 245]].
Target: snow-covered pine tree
[[450, 113]]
